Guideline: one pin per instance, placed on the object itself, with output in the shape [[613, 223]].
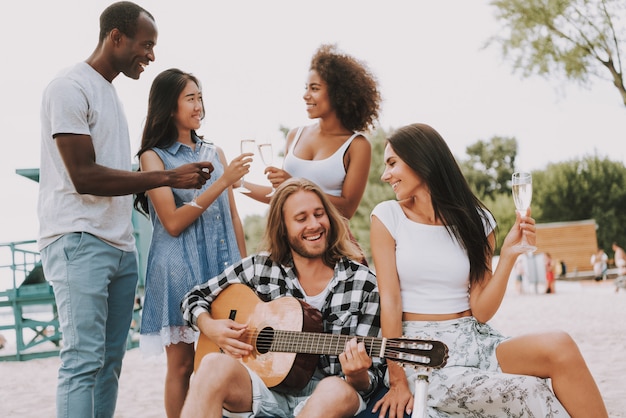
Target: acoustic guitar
[[287, 337]]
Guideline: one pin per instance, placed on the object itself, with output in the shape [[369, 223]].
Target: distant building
[[572, 242]]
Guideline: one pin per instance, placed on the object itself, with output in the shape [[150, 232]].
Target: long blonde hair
[[276, 242]]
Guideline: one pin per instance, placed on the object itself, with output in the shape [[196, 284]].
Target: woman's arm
[[176, 220], [275, 175], [359, 160], [486, 297], [399, 397], [237, 224]]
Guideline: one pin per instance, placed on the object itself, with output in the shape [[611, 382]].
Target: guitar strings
[[410, 351]]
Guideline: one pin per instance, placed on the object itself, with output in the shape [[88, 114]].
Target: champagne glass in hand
[[247, 146], [206, 153], [522, 186], [266, 156]]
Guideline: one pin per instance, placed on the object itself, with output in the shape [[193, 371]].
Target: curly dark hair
[[122, 15], [352, 88]]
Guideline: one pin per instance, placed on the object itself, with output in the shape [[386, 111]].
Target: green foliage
[[375, 192], [576, 38], [488, 170], [490, 165], [503, 210], [254, 228], [590, 188]]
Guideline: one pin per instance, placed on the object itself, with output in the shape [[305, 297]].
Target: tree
[[254, 228], [579, 38], [503, 210], [375, 192], [490, 166], [488, 170], [590, 188]]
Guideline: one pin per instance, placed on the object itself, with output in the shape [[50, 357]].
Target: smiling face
[[316, 96], [404, 181], [137, 52], [188, 114], [307, 224]]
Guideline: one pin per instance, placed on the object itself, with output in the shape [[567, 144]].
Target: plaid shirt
[[352, 306]]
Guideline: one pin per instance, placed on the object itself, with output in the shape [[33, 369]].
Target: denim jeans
[[94, 286]]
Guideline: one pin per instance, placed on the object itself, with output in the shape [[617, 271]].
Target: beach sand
[[591, 312]]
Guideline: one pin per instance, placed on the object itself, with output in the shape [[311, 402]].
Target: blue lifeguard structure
[[31, 299]]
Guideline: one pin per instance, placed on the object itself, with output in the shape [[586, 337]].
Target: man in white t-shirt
[[85, 208]]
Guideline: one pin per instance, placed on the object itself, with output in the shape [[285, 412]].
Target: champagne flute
[[522, 187], [267, 155], [247, 146], [206, 153]]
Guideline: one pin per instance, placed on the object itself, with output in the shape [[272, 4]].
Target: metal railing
[[33, 308]]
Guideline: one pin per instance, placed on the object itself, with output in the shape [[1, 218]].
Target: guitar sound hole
[[264, 340]]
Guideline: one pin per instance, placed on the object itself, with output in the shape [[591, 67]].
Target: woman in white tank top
[[343, 96]]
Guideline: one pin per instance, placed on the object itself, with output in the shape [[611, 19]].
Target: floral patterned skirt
[[472, 383]]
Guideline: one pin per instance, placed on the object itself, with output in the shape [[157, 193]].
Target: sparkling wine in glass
[[247, 146], [205, 153], [267, 154], [522, 186]]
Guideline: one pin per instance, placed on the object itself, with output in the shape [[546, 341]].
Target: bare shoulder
[[360, 145], [150, 161]]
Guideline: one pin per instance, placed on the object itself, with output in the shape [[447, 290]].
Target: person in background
[[619, 257], [85, 208], [307, 254], [550, 268], [432, 249], [599, 261], [189, 243], [343, 96]]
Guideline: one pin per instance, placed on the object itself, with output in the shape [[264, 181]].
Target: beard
[[308, 251]]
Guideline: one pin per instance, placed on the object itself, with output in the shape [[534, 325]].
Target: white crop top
[[432, 266], [328, 173]]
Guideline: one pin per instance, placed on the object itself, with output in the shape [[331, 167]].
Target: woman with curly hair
[[342, 94]]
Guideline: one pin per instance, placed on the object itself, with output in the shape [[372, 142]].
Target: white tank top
[[328, 173]]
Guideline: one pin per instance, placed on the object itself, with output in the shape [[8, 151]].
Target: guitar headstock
[[411, 351]]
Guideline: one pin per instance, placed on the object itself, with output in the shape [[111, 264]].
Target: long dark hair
[[464, 215], [160, 131]]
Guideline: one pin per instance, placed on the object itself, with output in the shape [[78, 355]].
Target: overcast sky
[[252, 58]]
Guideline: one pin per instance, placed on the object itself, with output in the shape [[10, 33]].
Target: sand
[[591, 312]]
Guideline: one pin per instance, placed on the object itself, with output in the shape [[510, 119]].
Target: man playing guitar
[[308, 255]]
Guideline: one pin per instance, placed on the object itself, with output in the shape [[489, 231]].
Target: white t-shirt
[[432, 265], [80, 101]]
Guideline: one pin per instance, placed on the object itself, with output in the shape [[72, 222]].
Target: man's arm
[[88, 177]]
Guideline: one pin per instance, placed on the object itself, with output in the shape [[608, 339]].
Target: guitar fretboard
[[313, 343]]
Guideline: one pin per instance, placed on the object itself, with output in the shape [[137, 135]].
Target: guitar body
[[286, 372], [288, 338]]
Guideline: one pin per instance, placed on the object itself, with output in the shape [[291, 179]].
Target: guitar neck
[[315, 343]]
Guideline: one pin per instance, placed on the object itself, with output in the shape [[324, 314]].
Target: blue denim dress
[[176, 264]]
